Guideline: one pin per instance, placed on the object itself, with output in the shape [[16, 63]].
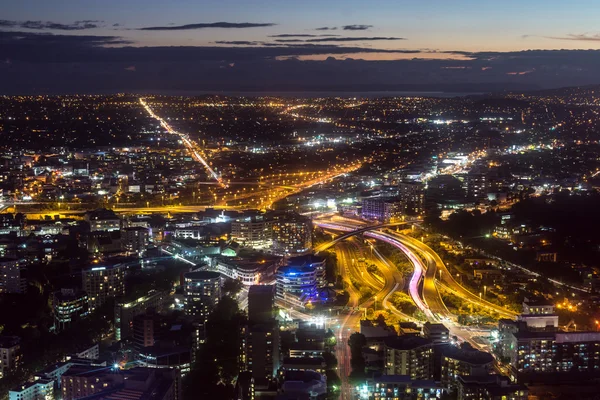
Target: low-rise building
[[489, 387], [41, 389], [103, 220], [438, 333]]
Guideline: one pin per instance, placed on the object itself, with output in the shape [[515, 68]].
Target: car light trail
[[186, 141], [418, 270]]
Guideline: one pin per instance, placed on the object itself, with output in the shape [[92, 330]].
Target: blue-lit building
[[311, 261], [297, 284]]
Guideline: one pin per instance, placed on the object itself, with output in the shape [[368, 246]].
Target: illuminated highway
[[186, 141]]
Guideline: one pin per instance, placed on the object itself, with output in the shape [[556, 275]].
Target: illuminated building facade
[[408, 355], [297, 285], [68, 305], [202, 291], [102, 283]]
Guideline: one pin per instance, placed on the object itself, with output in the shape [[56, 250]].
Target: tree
[[232, 287], [357, 341]]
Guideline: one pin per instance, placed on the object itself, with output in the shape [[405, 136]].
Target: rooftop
[[406, 342], [202, 275]]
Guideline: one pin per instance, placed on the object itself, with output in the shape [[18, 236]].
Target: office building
[[10, 354], [12, 276], [125, 312], [103, 282], [68, 306], [311, 261], [202, 291], [408, 355], [437, 333], [135, 239], [249, 271], [296, 285]]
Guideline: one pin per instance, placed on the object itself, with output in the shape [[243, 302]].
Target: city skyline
[[216, 46]]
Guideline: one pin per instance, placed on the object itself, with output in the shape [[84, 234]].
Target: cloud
[[40, 62], [228, 25], [131, 68], [291, 35], [584, 37], [326, 28], [356, 27], [41, 42], [238, 42], [40, 25], [353, 39]]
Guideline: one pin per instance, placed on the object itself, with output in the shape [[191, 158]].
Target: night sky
[[459, 45]]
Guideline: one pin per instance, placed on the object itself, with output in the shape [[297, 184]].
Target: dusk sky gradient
[[433, 29]]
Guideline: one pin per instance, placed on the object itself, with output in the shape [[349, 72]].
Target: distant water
[[315, 94]]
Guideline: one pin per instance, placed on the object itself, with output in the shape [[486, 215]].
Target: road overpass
[[429, 301]]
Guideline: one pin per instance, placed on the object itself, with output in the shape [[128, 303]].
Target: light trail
[[184, 138], [418, 271]]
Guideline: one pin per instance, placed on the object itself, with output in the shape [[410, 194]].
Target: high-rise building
[[292, 234], [202, 291], [408, 355], [135, 239], [125, 312], [462, 361], [536, 352], [68, 305], [412, 197], [252, 232], [147, 329], [10, 354], [261, 301], [102, 283], [12, 276], [262, 345]]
